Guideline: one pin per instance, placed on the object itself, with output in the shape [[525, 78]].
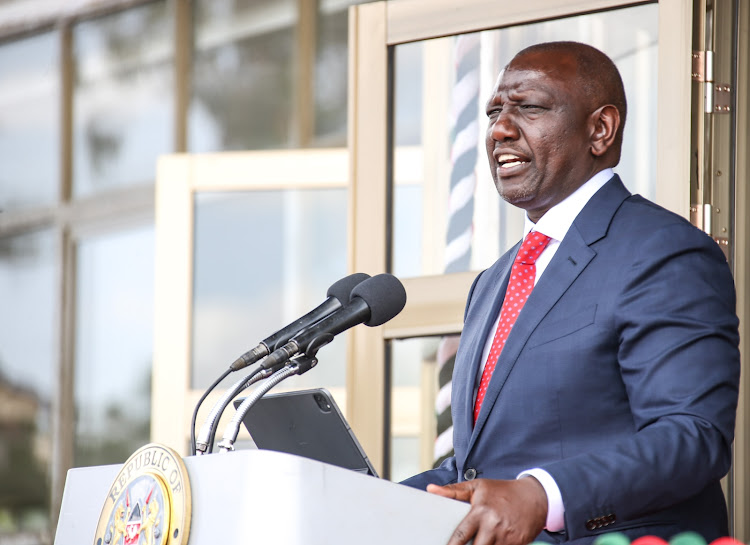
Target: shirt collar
[[558, 219]]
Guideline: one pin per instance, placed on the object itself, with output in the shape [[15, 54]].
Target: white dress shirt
[[555, 224]]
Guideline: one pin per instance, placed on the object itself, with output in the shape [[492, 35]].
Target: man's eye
[[532, 107]]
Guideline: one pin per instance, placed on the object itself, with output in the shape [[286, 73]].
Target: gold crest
[[149, 502]]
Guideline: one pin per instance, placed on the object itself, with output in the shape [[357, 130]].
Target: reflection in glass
[[114, 343], [407, 87], [30, 121], [262, 260], [243, 75], [123, 88], [331, 73], [420, 404], [451, 219], [28, 365]]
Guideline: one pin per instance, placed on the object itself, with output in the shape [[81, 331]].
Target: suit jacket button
[[591, 525], [470, 474]]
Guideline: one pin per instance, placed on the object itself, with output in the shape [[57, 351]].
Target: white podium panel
[[257, 496]]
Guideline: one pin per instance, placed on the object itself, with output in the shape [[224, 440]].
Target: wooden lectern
[[259, 496]]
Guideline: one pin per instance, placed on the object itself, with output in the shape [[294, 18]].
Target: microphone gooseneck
[[205, 440], [353, 300], [298, 366], [338, 294]]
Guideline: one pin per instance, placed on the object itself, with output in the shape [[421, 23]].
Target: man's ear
[[604, 122]]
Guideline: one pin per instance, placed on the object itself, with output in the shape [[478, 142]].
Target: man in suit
[[612, 403]]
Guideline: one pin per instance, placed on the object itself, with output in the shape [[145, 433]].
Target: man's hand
[[502, 512]]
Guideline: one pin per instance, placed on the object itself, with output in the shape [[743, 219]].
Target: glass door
[[424, 205]]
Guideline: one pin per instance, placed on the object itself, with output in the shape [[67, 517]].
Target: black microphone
[[373, 302], [338, 294]]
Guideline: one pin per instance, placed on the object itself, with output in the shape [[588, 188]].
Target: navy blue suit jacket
[[620, 377]]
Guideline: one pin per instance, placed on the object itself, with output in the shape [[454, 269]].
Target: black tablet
[[306, 423]]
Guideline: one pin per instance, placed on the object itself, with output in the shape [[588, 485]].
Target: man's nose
[[503, 128]]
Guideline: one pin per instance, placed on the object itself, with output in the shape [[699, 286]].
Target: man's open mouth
[[509, 160]]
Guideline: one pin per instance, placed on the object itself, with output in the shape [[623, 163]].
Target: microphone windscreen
[[384, 294], [342, 289]]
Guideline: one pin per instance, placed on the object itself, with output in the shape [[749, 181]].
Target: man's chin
[[512, 194]]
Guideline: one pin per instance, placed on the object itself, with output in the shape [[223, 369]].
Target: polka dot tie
[[519, 287]]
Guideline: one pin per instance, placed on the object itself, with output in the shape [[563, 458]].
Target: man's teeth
[[508, 160]]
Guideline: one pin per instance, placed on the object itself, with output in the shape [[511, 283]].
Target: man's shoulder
[[641, 228], [641, 206], [638, 215], [631, 223], [614, 196]]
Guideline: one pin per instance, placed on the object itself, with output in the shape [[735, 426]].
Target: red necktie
[[519, 287]]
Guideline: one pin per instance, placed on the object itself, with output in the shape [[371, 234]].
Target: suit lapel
[[572, 257], [488, 302]]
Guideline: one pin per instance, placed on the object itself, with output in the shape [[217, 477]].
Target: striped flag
[[464, 153]]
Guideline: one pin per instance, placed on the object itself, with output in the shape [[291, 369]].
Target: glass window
[[29, 121], [114, 345], [243, 75], [408, 93], [421, 434], [28, 367], [450, 219], [262, 260], [331, 73], [123, 105]]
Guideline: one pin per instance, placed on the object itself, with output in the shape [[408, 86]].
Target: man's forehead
[[560, 65], [530, 78], [545, 59]]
